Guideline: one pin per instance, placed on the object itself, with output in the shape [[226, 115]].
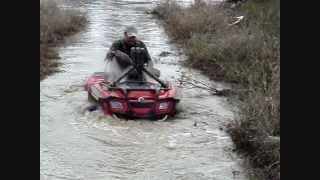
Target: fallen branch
[[184, 80], [237, 21]]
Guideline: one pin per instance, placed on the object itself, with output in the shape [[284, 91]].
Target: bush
[[248, 56], [55, 24]]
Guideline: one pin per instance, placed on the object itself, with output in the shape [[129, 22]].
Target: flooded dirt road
[[79, 145]]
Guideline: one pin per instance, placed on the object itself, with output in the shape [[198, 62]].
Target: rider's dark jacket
[[122, 46]]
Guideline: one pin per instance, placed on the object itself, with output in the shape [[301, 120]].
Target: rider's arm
[[149, 61], [113, 48]]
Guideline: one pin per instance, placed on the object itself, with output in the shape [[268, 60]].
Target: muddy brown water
[[79, 145]]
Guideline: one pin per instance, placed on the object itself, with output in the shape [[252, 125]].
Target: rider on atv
[[121, 49], [130, 86], [119, 55]]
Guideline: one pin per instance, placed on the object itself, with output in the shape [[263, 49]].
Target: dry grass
[[55, 24], [246, 55]]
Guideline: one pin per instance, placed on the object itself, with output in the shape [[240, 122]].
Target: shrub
[[248, 56], [55, 24]]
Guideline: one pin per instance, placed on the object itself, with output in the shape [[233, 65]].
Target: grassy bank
[[247, 55], [55, 24]]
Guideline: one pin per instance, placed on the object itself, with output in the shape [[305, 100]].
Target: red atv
[[139, 97]]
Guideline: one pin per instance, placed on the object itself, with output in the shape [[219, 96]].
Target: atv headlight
[[116, 105], [163, 105]]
